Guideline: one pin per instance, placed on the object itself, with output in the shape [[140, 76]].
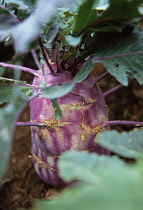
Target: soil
[[22, 186]]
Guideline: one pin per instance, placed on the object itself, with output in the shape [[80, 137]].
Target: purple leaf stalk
[[83, 113]]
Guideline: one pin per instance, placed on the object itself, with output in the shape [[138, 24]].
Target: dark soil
[[22, 185]]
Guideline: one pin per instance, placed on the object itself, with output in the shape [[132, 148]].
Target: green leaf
[[8, 116], [3, 10], [127, 144], [114, 56], [84, 72], [118, 15], [20, 4], [120, 188], [73, 41], [86, 15], [29, 30], [122, 9], [29, 3], [116, 194], [57, 91], [7, 22], [58, 111], [8, 88], [101, 4], [88, 167]]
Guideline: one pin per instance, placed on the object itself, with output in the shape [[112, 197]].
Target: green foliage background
[[95, 31]]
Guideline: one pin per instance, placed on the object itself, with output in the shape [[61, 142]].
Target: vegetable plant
[[70, 41]]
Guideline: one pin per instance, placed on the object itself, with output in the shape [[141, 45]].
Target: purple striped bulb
[[83, 112]]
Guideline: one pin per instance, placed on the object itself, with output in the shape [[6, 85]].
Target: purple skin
[[83, 112]]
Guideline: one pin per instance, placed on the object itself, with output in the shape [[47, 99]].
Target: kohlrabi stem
[[45, 57], [123, 122], [101, 77], [21, 124], [26, 103], [112, 90], [115, 56], [32, 51], [21, 68], [22, 85], [36, 59]]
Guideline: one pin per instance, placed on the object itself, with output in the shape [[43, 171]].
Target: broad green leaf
[[126, 144], [57, 91], [114, 56], [122, 9], [8, 116], [121, 188], [86, 15], [58, 111], [115, 194], [84, 72], [117, 15], [88, 167]]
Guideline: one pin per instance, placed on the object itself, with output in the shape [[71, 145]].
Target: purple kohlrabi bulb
[[83, 112]]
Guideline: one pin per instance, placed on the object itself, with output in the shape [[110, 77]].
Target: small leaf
[[57, 91], [126, 144], [73, 41], [58, 111], [84, 72], [20, 4], [29, 3], [102, 5]]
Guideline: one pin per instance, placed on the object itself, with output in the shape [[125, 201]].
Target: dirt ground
[[22, 185]]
